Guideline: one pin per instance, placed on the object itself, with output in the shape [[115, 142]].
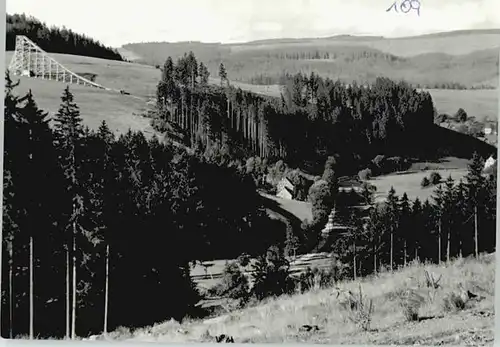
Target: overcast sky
[[116, 22]]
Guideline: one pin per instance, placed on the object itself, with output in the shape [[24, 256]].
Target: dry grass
[[280, 320]]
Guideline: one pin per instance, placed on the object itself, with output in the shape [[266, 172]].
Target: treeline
[[277, 78], [351, 55], [313, 117], [100, 232], [55, 40]]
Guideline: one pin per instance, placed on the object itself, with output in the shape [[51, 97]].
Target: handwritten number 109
[[406, 6]]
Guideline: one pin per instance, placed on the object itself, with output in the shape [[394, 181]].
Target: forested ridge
[[55, 40], [315, 117]]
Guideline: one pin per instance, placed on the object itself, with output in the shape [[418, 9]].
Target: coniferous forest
[[100, 231], [55, 40], [314, 118], [87, 211]]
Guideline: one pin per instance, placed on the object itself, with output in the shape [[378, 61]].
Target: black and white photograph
[[250, 171]]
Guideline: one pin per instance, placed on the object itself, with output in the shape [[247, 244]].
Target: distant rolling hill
[[469, 58]]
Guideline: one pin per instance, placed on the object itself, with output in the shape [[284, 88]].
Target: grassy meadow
[[121, 112], [409, 181], [444, 315], [480, 104]]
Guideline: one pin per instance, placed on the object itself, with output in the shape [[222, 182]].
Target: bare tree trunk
[[476, 248], [106, 291], [439, 242], [73, 310], [460, 246], [392, 250], [68, 294], [354, 259], [404, 253], [31, 288], [416, 253], [11, 299], [448, 241], [374, 260]]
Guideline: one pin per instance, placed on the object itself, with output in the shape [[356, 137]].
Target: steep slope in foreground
[[121, 112], [279, 320]]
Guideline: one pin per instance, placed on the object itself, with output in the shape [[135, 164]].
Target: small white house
[[487, 130], [285, 189], [489, 163]]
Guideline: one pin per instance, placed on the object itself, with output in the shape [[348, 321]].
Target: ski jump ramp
[[31, 61]]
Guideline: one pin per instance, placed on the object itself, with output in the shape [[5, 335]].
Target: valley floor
[[280, 320]]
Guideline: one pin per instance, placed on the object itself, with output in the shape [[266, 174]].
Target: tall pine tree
[[68, 135]]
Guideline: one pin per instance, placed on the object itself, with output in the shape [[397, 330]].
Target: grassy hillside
[[480, 104], [280, 320], [466, 58], [120, 111], [409, 181], [299, 209]]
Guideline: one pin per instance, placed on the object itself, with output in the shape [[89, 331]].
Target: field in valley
[[480, 104], [409, 181], [280, 320]]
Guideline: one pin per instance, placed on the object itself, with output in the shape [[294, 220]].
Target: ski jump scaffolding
[[31, 61]]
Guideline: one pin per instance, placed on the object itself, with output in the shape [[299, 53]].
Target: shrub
[[461, 115], [443, 117], [244, 260], [360, 311], [365, 174], [410, 302], [453, 302], [271, 274], [435, 178], [425, 182], [314, 278], [234, 283], [432, 282]]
